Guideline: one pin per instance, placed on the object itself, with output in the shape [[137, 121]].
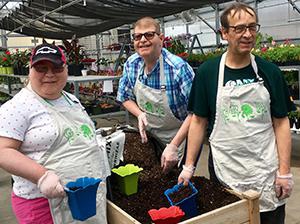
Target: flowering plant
[[174, 45], [74, 51], [21, 57], [196, 59], [276, 53], [6, 59]]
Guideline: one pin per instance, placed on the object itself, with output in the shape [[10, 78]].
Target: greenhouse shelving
[[75, 80]]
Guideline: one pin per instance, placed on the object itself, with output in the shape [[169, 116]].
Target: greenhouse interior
[[97, 41]]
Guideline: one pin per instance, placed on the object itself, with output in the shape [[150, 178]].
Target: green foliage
[[174, 45], [203, 57], [74, 51], [21, 57], [268, 49], [6, 59], [294, 114]]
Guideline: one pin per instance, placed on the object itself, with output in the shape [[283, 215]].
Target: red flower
[[167, 42], [287, 41], [4, 59], [7, 52], [183, 55], [264, 49]]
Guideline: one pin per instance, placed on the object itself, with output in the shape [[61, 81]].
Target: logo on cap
[[46, 50]]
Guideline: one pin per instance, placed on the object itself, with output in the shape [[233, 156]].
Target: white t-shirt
[[26, 119]]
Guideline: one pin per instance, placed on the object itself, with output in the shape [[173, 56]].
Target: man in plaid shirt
[[155, 88]]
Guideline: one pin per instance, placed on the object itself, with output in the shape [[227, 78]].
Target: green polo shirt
[[202, 101]]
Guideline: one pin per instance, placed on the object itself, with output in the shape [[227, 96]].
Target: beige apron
[[154, 102], [75, 153], [243, 141]]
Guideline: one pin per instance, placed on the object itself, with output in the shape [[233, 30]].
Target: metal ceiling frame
[[44, 15], [97, 16]]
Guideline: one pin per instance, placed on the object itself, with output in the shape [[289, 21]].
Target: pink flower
[[273, 43]]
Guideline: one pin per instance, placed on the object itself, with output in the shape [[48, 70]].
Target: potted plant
[[74, 54], [21, 61], [6, 62], [173, 45], [294, 117], [280, 54]]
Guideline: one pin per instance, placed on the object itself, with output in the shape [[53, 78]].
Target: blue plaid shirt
[[178, 74]]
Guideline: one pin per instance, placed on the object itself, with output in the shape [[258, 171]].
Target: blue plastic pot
[[189, 204], [82, 197]]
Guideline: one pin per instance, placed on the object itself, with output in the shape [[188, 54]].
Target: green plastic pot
[[127, 178]]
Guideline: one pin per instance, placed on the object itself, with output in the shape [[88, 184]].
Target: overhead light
[[84, 2], [44, 19], [21, 30]]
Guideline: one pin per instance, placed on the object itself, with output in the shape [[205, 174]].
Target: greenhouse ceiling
[[62, 19]]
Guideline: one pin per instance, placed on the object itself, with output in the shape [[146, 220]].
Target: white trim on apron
[[154, 102], [74, 153], [243, 142]]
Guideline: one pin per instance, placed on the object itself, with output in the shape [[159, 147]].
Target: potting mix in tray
[[153, 183]]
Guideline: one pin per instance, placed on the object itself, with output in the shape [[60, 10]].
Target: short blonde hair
[[146, 22]]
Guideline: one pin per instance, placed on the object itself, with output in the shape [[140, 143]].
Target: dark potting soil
[[74, 188], [153, 183]]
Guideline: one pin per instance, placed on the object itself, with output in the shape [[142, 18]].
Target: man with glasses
[[155, 87], [242, 102]]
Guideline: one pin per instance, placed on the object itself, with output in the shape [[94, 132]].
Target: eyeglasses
[[44, 69], [242, 28], [148, 35]]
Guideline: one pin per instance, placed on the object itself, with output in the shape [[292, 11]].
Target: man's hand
[[169, 157], [142, 120], [50, 185], [186, 174], [283, 185]]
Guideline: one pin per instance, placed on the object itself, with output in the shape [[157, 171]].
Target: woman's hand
[[50, 185]]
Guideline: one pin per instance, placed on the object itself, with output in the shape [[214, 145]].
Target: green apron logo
[[243, 112], [156, 109], [69, 134], [84, 130]]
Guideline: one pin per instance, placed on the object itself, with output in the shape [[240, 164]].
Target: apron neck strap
[[162, 73], [66, 97], [222, 68]]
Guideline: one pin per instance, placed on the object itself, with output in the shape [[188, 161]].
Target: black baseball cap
[[48, 52]]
